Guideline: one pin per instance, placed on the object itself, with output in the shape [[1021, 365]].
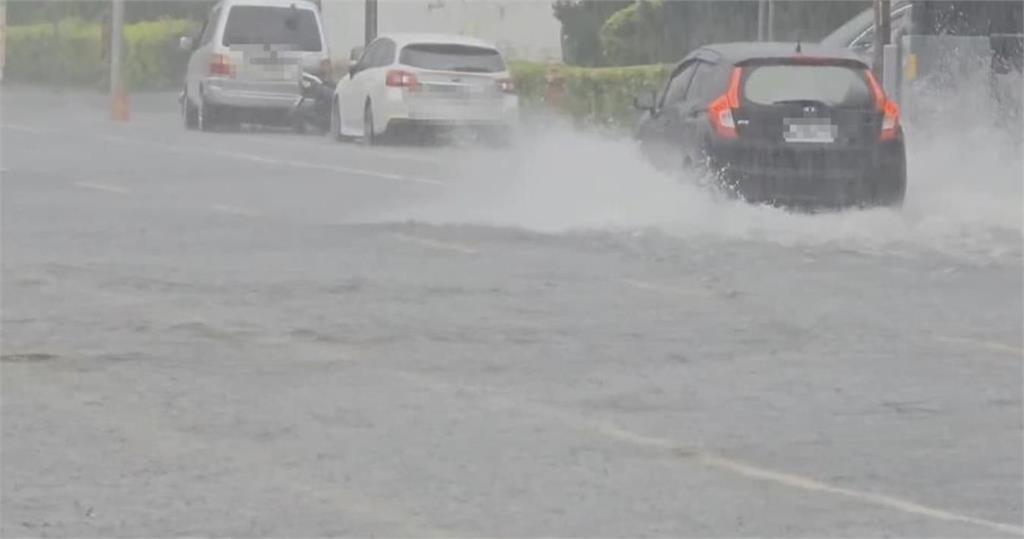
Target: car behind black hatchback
[[779, 123]]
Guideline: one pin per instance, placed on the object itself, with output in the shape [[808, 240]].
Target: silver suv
[[246, 63]]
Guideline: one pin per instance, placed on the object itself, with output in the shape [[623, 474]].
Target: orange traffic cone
[[121, 110]]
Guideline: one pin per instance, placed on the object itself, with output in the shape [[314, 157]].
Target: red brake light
[[890, 121], [402, 79], [507, 85], [720, 111], [220, 64], [889, 109]]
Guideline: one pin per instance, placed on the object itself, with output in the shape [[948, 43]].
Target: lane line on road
[[654, 287], [35, 130], [708, 459], [390, 153], [234, 210], [102, 187], [435, 244], [278, 162], [987, 345]]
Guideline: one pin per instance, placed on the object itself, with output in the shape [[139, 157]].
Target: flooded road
[[269, 334]]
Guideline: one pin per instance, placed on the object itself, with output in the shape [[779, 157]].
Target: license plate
[[804, 130]]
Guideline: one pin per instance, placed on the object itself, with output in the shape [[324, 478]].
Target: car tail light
[[402, 79], [507, 86], [720, 111], [220, 64], [889, 109], [890, 121]]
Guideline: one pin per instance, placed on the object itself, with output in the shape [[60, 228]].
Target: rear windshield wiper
[[468, 69]]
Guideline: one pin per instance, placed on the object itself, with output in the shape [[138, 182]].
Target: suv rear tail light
[[507, 86], [720, 111], [889, 109], [402, 79], [220, 64]]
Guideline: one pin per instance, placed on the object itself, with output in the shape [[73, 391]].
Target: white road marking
[[881, 500], [711, 460], [987, 345], [279, 162], [353, 148], [435, 244], [653, 287], [233, 210], [101, 187], [32, 129]]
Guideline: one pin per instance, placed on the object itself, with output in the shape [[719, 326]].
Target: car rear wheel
[[335, 131], [189, 113], [888, 187], [369, 136], [206, 117]]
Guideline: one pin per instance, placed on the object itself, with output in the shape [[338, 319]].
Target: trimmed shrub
[[590, 96], [74, 52]]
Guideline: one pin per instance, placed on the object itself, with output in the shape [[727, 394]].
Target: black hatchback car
[[779, 123]]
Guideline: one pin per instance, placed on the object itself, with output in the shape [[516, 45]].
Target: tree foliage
[[581, 26], [635, 35], [613, 32]]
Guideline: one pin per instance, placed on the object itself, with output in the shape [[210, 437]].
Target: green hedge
[[73, 52], [590, 96]]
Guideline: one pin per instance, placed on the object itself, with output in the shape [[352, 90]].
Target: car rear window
[[266, 25], [835, 86], [452, 58]]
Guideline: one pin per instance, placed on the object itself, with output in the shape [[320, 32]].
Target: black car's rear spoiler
[[805, 60]]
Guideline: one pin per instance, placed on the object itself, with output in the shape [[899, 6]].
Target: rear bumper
[[812, 176], [251, 95], [405, 111]]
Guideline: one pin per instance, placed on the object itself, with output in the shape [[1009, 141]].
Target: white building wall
[[523, 29]]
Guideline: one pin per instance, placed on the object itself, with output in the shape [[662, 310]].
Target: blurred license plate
[[803, 130]]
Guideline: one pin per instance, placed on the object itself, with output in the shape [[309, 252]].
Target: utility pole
[[883, 31], [3, 37], [766, 20], [119, 98], [371, 20], [762, 19]]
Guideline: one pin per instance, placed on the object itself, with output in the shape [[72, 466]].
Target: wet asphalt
[[246, 334]]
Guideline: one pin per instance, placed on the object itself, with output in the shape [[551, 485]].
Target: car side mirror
[[645, 102], [186, 43], [355, 54]]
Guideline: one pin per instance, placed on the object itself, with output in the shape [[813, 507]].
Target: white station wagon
[[404, 82]]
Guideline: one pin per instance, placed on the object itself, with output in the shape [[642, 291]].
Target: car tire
[[369, 135], [889, 187], [189, 114], [335, 130], [206, 119]]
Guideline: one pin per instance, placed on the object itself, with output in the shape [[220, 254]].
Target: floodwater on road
[[264, 334]]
